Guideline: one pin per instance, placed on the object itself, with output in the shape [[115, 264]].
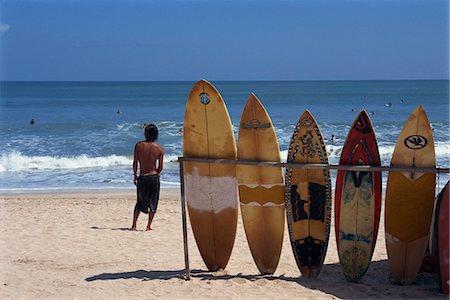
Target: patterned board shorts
[[147, 193]]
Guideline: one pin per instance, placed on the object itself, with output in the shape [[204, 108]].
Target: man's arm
[[160, 161], [135, 163]]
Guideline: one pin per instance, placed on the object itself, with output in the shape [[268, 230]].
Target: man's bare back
[[146, 154]]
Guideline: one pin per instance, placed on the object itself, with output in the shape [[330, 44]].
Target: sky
[[101, 40]]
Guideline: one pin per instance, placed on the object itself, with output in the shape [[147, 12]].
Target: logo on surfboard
[[415, 142], [253, 124], [362, 124], [204, 98], [307, 122]]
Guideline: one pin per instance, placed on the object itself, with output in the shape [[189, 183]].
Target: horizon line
[[233, 80]]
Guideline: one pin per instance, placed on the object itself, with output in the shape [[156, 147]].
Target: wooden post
[[183, 215]]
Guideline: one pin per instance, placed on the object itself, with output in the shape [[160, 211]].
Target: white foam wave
[[136, 125], [129, 126], [171, 157], [442, 150], [283, 155], [15, 161]]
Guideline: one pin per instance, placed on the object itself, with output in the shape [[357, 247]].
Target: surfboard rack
[[358, 168], [438, 170]]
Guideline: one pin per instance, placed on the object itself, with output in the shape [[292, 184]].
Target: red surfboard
[[442, 234], [358, 200]]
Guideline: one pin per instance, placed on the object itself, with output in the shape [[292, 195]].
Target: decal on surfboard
[[313, 247], [204, 98], [415, 142], [354, 237], [254, 124], [307, 122], [305, 209], [362, 124], [357, 177], [307, 148]]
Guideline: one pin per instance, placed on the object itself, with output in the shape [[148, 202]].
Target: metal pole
[[183, 215]]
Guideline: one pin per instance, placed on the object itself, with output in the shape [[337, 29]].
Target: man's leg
[[135, 217], [150, 219]]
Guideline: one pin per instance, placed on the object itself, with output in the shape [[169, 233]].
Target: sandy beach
[[78, 246]]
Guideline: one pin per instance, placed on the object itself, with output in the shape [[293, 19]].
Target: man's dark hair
[[151, 132]]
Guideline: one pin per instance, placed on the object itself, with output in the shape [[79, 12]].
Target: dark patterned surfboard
[[308, 197]]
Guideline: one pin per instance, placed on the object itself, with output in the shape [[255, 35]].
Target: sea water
[[84, 133]]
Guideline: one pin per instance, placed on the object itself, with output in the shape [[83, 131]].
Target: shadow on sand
[[140, 274], [374, 284], [331, 280], [120, 228]]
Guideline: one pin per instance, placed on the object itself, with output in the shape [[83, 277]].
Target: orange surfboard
[[210, 189], [410, 199], [261, 189]]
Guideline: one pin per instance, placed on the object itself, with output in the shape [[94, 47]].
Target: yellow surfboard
[[261, 189], [410, 199], [210, 189]]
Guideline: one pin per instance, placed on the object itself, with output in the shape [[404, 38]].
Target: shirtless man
[[146, 153]]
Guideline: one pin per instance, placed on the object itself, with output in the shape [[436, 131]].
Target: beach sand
[[77, 245]]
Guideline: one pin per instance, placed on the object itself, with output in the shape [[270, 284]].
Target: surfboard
[[261, 189], [308, 197], [210, 189], [358, 200], [410, 199], [442, 238]]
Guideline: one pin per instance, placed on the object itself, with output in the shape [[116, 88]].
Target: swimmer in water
[[32, 122], [333, 139]]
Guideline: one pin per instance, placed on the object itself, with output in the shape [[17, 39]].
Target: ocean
[[84, 132]]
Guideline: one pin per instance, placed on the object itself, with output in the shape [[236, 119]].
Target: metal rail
[[438, 170]]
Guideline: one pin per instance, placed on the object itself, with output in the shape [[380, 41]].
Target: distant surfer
[[32, 122], [146, 154], [180, 132], [388, 104], [402, 101], [333, 139], [119, 112]]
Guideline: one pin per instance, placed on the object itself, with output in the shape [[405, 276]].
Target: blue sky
[[224, 40]]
